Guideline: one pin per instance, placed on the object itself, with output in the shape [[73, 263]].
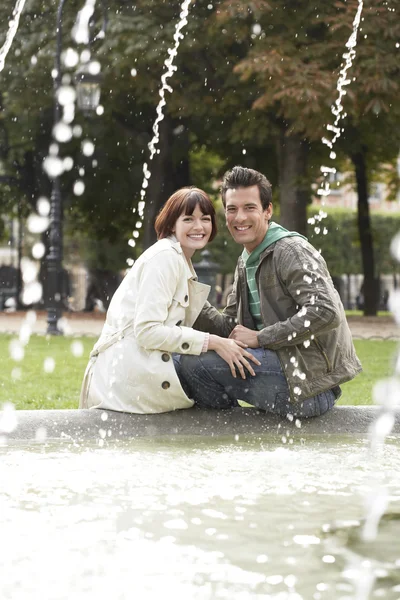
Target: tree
[[295, 62]]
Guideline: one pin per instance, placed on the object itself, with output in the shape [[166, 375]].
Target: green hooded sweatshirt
[[275, 232]]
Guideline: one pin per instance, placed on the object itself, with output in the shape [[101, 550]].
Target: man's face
[[245, 218]]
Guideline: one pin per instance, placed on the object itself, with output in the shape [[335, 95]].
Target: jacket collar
[[262, 255], [190, 272]]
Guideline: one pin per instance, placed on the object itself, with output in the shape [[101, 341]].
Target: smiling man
[[283, 306]]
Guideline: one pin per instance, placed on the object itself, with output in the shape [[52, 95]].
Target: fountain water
[[170, 69], [12, 30], [337, 111]]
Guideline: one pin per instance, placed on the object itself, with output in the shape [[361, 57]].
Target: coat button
[[165, 385], [185, 346], [178, 323], [165, 357], [186, 298]]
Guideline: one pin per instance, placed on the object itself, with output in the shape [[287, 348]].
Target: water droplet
[[85, 55], [94, 67], [16, 350], [79, 187], [62, 132], [32, 293], [49, 364], [77, 348], [43, 206], [328, 558], [8, 418], [100, 110], [133, 72], [262, 559], [70, 58], [256, 29], [66, 95], [53, 166], [34, 60], [87, 147], [25, 333], [68, 163], [37, 224], [77, 130], [41, 434]]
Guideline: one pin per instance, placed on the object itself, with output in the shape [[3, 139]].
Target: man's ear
[[269, 211]]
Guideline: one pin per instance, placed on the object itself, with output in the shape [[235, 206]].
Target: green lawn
[[377, 358], [35, 388], [31, 387]]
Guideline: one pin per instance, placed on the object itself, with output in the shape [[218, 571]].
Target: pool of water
[[196, 519]]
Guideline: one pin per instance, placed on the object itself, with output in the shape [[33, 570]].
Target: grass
[[377, 359], [36, 389], [360, 313]]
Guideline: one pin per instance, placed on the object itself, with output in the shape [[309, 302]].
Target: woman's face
[[193, 231]]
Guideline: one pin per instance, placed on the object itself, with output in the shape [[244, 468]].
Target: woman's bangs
[[194, 199]]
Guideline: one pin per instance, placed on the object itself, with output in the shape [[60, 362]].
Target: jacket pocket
[[181, 298], [324, 354]]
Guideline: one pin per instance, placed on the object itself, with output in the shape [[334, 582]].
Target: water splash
[[12, 30], [337, 107], [170, 69], [337, 111], [80, 31]]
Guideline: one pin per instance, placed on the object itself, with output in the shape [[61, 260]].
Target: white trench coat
[[149, 317]]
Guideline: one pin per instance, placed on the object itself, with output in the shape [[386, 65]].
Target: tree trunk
[[365, 234], [19, 255], [160, 183], [167, 174], [294, 191]]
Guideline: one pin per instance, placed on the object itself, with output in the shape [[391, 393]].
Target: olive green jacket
[[303, 316]]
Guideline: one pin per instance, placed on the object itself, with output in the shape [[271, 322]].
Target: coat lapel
[[198, 294]]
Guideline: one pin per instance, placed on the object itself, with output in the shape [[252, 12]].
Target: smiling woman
[[134, 366]]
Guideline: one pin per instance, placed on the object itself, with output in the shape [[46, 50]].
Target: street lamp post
[[88, 97]]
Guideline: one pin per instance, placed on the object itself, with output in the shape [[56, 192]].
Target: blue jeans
[[207, 379]]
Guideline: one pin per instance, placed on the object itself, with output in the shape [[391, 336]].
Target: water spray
[[12, 30], [337, 111], [170, 70]]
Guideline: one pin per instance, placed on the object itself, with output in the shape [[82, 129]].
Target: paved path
[[91, 324]]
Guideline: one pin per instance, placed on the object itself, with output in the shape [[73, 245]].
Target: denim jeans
[[207, 379]]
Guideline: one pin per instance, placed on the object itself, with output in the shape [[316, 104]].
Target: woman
[[131, 368]]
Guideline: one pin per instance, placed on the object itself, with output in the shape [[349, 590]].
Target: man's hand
[[247, 336]]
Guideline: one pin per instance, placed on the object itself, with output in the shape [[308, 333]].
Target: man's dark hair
[[241, 177]]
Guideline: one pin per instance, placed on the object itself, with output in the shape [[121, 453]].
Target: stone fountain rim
[[91, 425]]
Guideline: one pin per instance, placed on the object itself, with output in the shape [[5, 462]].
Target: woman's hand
[[233, 352]]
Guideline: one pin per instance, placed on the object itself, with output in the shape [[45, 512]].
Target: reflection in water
[[205, 519]]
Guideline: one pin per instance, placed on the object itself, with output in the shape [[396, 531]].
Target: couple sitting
[[282, 344]]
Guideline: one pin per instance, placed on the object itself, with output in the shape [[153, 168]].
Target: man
[[283, 306]]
